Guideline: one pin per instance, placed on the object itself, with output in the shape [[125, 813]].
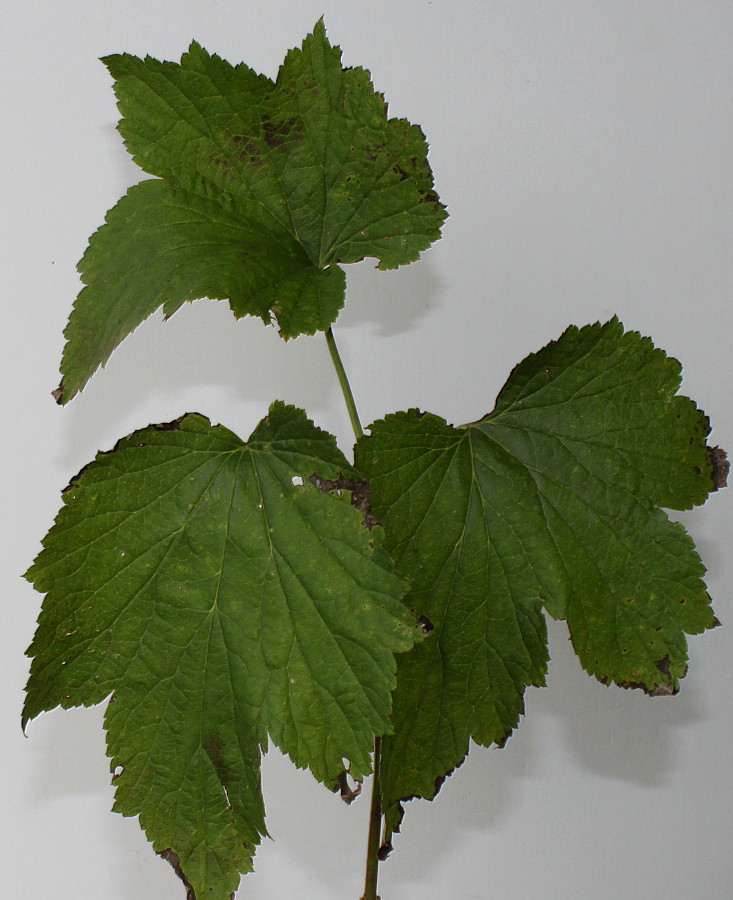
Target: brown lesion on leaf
[[272, 136], [501, 743], [247, 149], [386, 847], [361, 494], [344, 788], [214, 748], [163, 426], [426, 625], [278, 134], [721, 467], [175, 425], [663, 664], [663, 688], [172, 857], [429, 197]]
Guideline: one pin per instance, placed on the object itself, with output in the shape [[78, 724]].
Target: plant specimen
[[372, 616]]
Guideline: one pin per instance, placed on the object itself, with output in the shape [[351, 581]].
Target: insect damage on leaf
[[552, 501], [261, 190]]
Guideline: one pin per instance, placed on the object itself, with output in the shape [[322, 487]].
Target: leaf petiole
[[344, 383]]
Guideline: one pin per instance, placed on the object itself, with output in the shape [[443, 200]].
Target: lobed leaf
[[265, 187], [217, 595], [551, 500]]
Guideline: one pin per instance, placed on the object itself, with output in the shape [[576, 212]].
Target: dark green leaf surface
[[218, 596], [552, 500], [266, 187]]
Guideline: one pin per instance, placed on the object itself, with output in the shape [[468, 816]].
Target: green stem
[[345, 386], [375, 811], [375, 832]]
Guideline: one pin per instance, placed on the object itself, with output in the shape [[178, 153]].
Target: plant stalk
[[345, 386], [375, 832], [375, 810]]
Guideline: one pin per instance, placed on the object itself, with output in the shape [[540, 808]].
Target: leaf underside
[[262, 188], [550, 501], [217, 595]]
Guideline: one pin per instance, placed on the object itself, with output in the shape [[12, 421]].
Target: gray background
[[583, 150]]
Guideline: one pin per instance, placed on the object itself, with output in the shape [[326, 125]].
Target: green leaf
[[552, 500], [216, 594], [265, 188]]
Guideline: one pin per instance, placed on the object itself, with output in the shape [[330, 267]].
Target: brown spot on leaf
[[58, 394], [426, 625]]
